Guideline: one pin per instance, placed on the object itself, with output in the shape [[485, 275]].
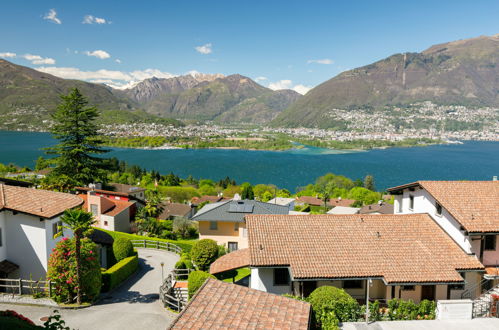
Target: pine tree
[[369, 183], [79, 141]]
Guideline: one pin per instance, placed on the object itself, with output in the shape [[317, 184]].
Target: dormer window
[[438, 208]]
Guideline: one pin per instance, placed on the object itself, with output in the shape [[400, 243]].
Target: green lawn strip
[[186, 245], [229, 275]]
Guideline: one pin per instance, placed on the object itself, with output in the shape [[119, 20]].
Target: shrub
[[195, 280], [327, 298], [203, 253], [62, 270], [374, 312], [427, 309], [122, 248], [402, 310], [115, 275], [183, 263]]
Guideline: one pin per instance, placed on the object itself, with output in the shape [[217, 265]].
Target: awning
[[234, 260]]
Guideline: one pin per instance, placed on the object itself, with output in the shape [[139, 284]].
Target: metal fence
[[143, 243], [19, 286]]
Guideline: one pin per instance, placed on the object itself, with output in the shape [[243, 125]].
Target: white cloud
[[99, 54], [89, 19], [321, 61], [37, 59], [52, 16], [118, 60], [113, 78], [8, 55], [258, 79], [204, 49], [288, 84]]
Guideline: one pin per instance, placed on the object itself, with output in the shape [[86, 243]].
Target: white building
[[284, 201], [29, 219]]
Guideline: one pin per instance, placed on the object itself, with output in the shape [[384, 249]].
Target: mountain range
[[464, 72]]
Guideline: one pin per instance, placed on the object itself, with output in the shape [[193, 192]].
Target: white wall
[[263, 279], [425, 203], [3, 248]]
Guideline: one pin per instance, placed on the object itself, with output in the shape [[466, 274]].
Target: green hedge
[[122, 248], [112, 277], [195, 280]]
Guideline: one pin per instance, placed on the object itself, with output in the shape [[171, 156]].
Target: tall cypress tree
[[79, 142]]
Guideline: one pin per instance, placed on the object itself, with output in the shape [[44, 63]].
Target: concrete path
[[479, 324], [134, 305]]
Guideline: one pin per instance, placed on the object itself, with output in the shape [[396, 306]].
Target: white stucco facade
[[28, 242], [263, 279]]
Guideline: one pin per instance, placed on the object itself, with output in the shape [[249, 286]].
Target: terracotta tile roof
[[310, 200], [126, 188], [340, 202], [408, 248], [233, 260], [206, 198], [383, 208], [109, 206], [41, 203], [220, 305], [474, 204], [174, 209]]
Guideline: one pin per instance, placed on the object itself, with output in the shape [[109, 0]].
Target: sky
[[280, 44]]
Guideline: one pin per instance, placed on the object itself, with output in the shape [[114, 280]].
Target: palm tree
[[80, 222]]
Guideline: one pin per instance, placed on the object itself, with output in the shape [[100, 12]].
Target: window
[[408, 288], [232, 246], [105, 223], [438, 208], [236, 226], [56, 227], [352, 284], [490, 243], [281, 276], [411, 202], [213, 225], [94, 209]]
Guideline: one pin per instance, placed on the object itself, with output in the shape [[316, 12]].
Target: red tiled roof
[[408, 248], [220, 305], [311, 200], [41, 203], [474, 204], [233, 260], [206, 198], [110, 206], [340, 202], [383, 208]]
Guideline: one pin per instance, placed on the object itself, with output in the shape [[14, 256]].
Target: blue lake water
[[290, 169]]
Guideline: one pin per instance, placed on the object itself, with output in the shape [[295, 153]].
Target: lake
[[471, 160]]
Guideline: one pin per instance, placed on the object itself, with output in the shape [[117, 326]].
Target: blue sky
[[294, 44]]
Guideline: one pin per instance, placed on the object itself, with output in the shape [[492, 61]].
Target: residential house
[[29, 220], [343, 210], [335, 202], [131, 191], [224, 221], [381, 207], [207, 199], [109, 213], [176, 210], [398, 256], [310, 200], [289, 202], [468, 211], [220, 305]]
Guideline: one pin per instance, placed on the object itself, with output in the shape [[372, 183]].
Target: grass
[[185, 244], [235, 275]]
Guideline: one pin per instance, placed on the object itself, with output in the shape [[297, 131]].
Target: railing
[[181, 274], [475, 291], [143, 243], [165, 294], [19, 286]]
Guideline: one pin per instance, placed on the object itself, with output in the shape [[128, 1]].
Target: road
[[134, 305]]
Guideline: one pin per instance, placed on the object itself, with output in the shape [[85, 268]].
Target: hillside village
[[375, 254]]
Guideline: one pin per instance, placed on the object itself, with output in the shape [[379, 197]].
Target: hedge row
[[112, 277]]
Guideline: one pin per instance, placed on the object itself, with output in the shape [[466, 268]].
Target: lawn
[[237, 274], [185, 244]]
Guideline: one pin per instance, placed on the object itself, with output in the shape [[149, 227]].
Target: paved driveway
[[134, 305]]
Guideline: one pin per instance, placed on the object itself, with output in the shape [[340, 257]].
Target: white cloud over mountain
[[8, 55], [321, 61], [38, 60], [52, 16], [204, 49], [99, 54], [288, 84], [89, 19]]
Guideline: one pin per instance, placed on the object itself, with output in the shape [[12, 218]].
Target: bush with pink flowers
[[62, 271]]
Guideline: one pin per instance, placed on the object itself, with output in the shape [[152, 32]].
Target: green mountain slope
[[28, 97], [464, 72]]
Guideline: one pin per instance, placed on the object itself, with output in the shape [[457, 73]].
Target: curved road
[[133, 305]]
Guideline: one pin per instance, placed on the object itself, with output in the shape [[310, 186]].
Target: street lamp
[[369, 282], [162, 264]]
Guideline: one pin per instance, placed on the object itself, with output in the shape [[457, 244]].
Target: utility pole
[[368, 284]]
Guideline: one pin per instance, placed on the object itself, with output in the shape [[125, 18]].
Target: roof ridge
[[216, 207]]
